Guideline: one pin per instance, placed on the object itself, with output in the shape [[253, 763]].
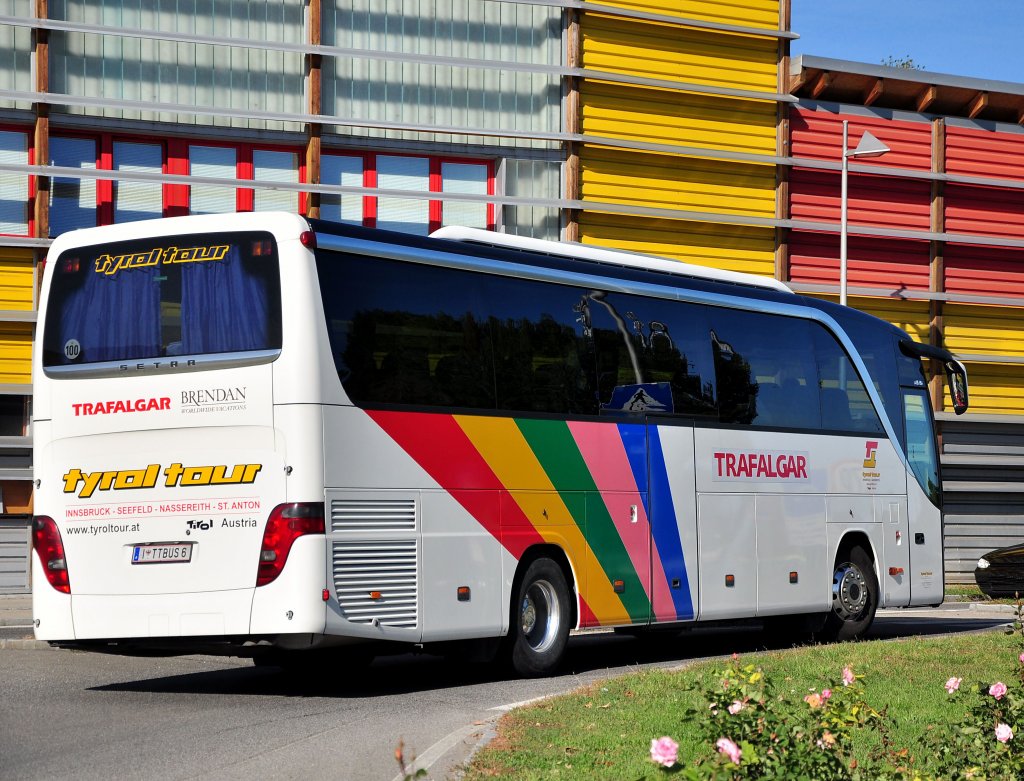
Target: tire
[[539, 620], [854, 596]]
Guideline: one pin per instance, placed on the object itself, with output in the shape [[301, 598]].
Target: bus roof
[[602, 255]]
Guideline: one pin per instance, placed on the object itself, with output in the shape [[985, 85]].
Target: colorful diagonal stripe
[[571, 484]]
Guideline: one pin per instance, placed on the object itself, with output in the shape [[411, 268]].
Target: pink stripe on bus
[[605, 457]]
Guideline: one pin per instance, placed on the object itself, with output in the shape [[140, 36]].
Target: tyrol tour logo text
[[174, 476]]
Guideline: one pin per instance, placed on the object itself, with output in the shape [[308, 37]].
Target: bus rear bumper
[[205, 614]]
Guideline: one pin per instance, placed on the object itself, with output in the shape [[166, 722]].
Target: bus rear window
[[198, 294]]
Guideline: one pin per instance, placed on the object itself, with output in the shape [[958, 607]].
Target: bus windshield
[[133, 300]]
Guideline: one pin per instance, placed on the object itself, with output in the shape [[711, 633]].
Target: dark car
[[1000, 573]]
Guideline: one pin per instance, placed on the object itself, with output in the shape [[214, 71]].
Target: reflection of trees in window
[[737, 388], [648, 345], [403, 358], [539, 367]]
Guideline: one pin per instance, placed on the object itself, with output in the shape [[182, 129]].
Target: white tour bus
[[267, 436]]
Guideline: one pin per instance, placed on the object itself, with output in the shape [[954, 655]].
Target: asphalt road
[[86, 716]]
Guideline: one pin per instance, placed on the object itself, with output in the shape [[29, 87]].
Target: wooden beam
[[41, 131], [797, 80], [573, 124], [936, 260], [976, 106], [1020, 116], [314, 105], [875, 92], [927, 97], [821, 83]]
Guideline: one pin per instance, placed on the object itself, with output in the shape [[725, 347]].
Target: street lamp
[[869, 146]]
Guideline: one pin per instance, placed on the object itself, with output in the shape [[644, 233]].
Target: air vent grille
[[376, 582], [373, 515]]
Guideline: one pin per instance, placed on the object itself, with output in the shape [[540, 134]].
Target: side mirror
[[956, 378]]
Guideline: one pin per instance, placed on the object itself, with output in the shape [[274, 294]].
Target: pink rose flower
[[953, 684], [825, 695], [997, 690], [848, 677], [730, 749], [1003, 733], [735, 708], [1021, 657], [664, 751], [813, 699]]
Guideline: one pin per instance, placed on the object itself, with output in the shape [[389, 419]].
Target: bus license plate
[[162, 553]]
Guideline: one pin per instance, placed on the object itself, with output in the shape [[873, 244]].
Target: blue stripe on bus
[[665, 527], [635, 443]]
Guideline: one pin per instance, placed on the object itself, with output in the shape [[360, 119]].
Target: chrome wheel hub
[[540, 616], [849, 592]]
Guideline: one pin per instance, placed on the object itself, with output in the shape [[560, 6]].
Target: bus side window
[[764, 369], [542, 359], [650, 356], [845, 404]]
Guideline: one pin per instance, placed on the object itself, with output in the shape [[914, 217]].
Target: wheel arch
[[857, 538], [559, 556]]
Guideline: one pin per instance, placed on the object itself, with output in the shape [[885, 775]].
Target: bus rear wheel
[[539, 621], [854, 596]]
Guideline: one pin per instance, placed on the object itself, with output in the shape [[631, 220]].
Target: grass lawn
[[971, 593], [605, 730]]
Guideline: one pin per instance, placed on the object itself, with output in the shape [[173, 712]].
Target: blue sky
[[976, 38]]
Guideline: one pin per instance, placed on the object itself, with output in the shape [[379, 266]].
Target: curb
[[23, 645], [1011, 609]]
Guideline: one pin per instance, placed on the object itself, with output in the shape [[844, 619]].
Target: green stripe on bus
[[556, 450]]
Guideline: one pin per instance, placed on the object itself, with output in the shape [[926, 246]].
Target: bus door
[[672, 508], [922, 543]]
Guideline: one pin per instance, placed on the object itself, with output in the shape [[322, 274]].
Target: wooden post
[[314, 105], [573, 58], [937, 271], [41, 132], [782, 149]]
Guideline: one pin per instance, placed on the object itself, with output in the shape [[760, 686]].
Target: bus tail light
[[49, 547], [286, 524]]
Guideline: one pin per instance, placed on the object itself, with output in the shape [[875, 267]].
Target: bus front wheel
[[539, 622], [854, 596]]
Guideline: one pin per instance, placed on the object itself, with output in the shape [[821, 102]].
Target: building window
[[347, 172], [72, 200], [13, 186], [215, 162], [409, 215], [416, 174], [274, 166], [471, 179], [138, 200]]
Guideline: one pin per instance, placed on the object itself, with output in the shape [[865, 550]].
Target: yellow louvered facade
[[685, 119], [692, 184], [989, 330], [16, 353], [979, 330], [732, 247], [741, 13], [17, 279], [996, 388], [743, 66], [663, 51]]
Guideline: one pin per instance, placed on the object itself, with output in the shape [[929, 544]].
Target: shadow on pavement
[[587, 653]]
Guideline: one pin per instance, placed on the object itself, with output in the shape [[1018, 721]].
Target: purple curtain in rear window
[[224, 308], [114, 317]]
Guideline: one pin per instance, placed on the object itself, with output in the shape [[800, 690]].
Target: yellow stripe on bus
[[502, 445]]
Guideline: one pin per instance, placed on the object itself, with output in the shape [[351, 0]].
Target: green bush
[[760, 733]]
